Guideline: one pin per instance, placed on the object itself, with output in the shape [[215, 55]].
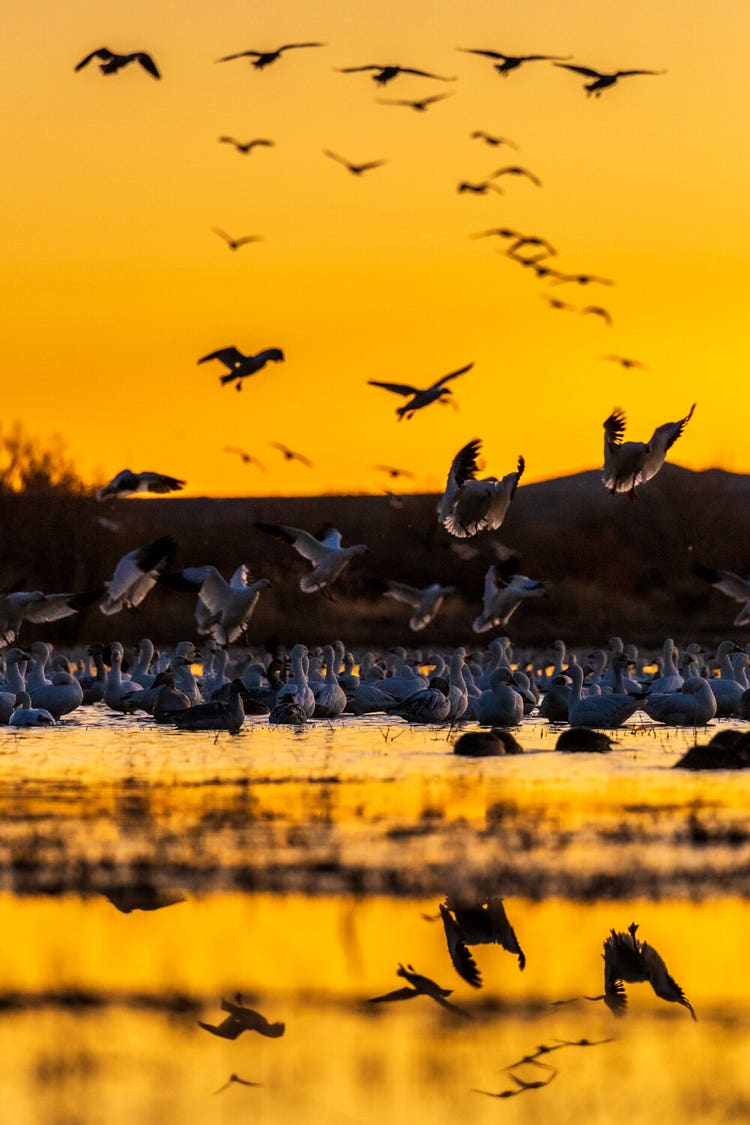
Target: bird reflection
[[144, 897], [235, 1078], [522, 1085], [420, 986], [557, 1045], [478, 923], [242, 1019]]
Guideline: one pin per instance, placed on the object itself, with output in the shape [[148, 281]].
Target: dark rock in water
[[487, 744], [584, 741], [727, 750]]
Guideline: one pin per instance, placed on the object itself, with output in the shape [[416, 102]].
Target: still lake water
[[147, 873]]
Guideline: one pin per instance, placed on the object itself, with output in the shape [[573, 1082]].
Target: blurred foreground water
[[146, 875]]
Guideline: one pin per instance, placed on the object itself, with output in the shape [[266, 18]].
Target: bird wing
[[229, 1028], [303, 542], [268, 355], [424, 74], [628, 73], [597, 310], [335, 156], [409, 595], [464, 465], [356, 69], [241, 55], [486, 54], [329, 536], [230, 357], [585, 70], [502, 931], [463, 962], [214, 590], [397, 388], [665, 436], [451, 375], [397, 994], [663, 984], [159, 483], [147, 63], [726, 581], [289, 46], [53, 608], [99, 53], [614, 428]]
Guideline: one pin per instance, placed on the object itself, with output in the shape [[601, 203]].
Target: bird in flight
[[393, 472], [516, 170], [581, 279], [480, 188], [240, 1081], [602, 81], [511, 62], [239, 365], [492, 139], [261, 59], [235, 243], [630, 463], [246, 146], [731, 584], [355, 169], [419, 985], [420, 398], [556, 303], [468, 505], [626, 362], [324, 551], [597, 310], [291, 455], [424, 601], [386, 73], [137, 573], [501, 232], [242, 1019], [245, 457], [420, 104], [546, 248], [127, 483], [112, 62], [503, 594]]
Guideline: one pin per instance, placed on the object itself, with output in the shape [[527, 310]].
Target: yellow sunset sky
[[118, 285]]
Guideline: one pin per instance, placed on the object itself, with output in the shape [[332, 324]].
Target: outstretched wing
[[463, 962], [614, 428], [665, 436], [303, 542], [230, 357], [397, 388], [726, 581], [100, 53], [585, 70], [452, 375], [147, 63]]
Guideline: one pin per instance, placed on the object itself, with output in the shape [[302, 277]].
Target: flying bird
[[240, 1081], [386, 73], [419, 104], [245, 457], [625, 362], [246, 146], [630, 463], [629, 960], [355, 169], [112, 62], [469, 505], [480, 923], [517, 170], [597, 310], [501, 232], [261, 59], [547, 249], [479, 188], [239, 365], [419, 985], [420, 398], [503, 595], [394, 472], [581, 279], [235, 243], [34, 606], [291, 454], [425, 602], [511, 62], [137, 573], [556, 303], [602, 81], [224, 608], [326, 554], [492, 139], [127, 483], [242, 1019], [731, 584]]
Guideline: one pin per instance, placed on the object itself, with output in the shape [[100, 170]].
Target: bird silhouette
[[511, 62], [522, 1085], [127, 483], [245, 457], [242, 1019], [246, 146], [112, 62], [355, 169], [239, 365], [630, 463], [492, 140], [556, 303], [385, 73], [477, 923], [394, 472], [419, 985], [602, 81], [626, 362], [582, 279], [291, 454], [597, 310], [479, 188], [420, 398], [501, 232], [235, 1079], [516, 170], [419, 104], [628, 959], [261, 59], [546, 248], [235, 243]]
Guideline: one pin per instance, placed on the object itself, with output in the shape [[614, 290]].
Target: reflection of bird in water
[[420, 104], [557, 1045], [420, 398], [291, 455], [239, 365], [625, 362], [480, 188], [420, 986], [235, 1078], [630, 463], [126, 899], [510, 62], [628, 959], [242, 1019], [394, 472], [112, 62], [480, 923], [731, 584], [387, 73], [235, 243], [597, 310], [517, 170], [127, 483], [491, 139], [355, 169], [523, 1085], [468, 505], [261, 59], [602, 81], [246, 146], [325, 553], [245, 457]]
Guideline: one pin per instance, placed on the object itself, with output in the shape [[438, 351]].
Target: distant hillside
[[613, 565]]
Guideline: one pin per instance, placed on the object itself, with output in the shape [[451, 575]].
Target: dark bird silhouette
[[501, 232], [235, 243], [239, 365], [242, 1019], [522, 1085], [597, 310], [492, 139], [261, 59], [478, 923], [556, 303], [112, 62], [582, 279], [393, 472], [524, 240], [480, 188], [355, 169], [235, 1078], [127, 483], [245, 457], [602, 81], [217, 714], [126, 899], [419, 104], [511, 62], [386, 73], [731, 584], [630, 960], [584, 740], [419, 985], [418, 399], [291, 454], [517, 170], [557, 1045], [625, 362], [487, 744], [246, 146], [727, 750], [630, 463]]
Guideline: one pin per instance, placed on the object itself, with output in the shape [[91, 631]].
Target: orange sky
[[119, 285]]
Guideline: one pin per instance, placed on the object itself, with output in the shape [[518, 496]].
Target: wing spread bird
[[386, 73], [328, 557], [516, 170], [630, 463], [502, 597], [112, 62], [469, 505], [239, 365], [420, 398], [137, 573], [425, 602], [224, 608], [242, 1019], [236, 243], [127, 483], [600, 81], [291, 454], [38, 608], [262, 59], [355, 169], [731, 584], [630, 960]]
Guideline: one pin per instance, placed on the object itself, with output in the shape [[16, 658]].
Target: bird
[[242, 1019], [355, 169], [216, 714], [326, 554], [477, 923], [224, 608], [598, 711], [510, 62], [421, 398], [419, 104], [625, 362], [692, 705], [580, 279], [240, 1081], [291, 454], [468, 505], [419, 985], [516, 170], [584, 740], [731, 584], [24, 715], [137, 573], [556, 303], [385, 73], [546, 248], [479, 188], [491, 743], [597, 310], [630, 463], [245, 457], [602, 81], [629, 960], [425, 602], [127, 483], [239, 365], [246, 146], [37, 607], [503, 594], [112, 62], [492, 140], [393, 472], [261, 59], [235, 243]]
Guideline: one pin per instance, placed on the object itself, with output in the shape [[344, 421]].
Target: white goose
[[501, 598], [425, 602], [630, 463], [326, 554], [224, 608], [469, 505], [137, 573], [25, 715], [599, 711], [692, 705], [59, 695], [128, 483], [731, 584], [297, 690]]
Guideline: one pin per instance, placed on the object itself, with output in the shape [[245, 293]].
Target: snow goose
[[111, 62], [437, 392], [38, 608], [502, 597], [119, 692], [729, 686], [224, 608], [137, 573], [16, 661], [330, 697], [670, 678], [430, 705], [425, 602], [241, 366], [59, 695], [501, 705], [458, 694], [325, 553], [731, 584], [630, 960], [692, 705], [168, 699], [216, 714], [25, 715], [630, 463], [128, 483], [297, 690], [469, 505], [477, 923], [599, 711]]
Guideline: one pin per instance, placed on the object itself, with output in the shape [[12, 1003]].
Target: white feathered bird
[[137, 573], [425, 602], [502, 597], [469, 505], [731, 584], [127, 483], [325, 553], [630, 463]]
